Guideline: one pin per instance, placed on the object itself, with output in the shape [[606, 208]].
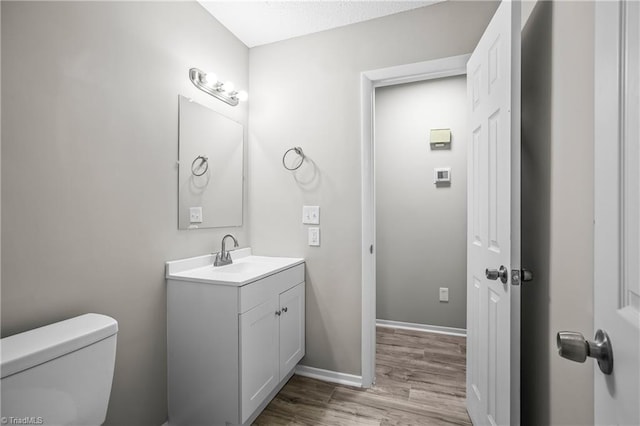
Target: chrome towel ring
[[204, 161], [298, 151]]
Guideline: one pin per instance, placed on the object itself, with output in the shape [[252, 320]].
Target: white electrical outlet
[[314, 236], [444, 294], [195, 214], [311, 215]]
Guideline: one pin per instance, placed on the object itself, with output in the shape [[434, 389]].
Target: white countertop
[[246, 268]]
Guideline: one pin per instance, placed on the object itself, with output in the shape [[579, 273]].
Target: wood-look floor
[[420, 380]]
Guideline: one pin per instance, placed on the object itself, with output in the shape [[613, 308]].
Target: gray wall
[[557, 209], [306, 92], [89, 177], [89, 185], [420, 228]]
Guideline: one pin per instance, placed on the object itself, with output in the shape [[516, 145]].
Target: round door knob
[[494, 274], [285, 309], [573, 346]]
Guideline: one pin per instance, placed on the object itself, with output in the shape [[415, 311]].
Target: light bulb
[[242, 96], [227, 87], [210, 79]]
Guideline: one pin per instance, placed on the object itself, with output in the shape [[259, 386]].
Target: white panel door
[[291, 328], [258, 355], [617, 209], [493, 222]]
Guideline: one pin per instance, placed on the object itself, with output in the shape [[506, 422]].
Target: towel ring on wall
[[298, 151], [203, 161]]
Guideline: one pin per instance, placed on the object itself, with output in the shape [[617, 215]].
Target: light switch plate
[[444, 294], [195, 214], [311, 215], [314, 236]]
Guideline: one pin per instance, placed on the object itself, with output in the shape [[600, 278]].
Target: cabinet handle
[[285, 309], [278, 313]]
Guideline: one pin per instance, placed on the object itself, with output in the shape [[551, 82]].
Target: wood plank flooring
[[420, 380]]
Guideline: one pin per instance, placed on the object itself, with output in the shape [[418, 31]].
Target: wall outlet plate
[[314, 236], [444, 294], [311, 215], [195, 214]]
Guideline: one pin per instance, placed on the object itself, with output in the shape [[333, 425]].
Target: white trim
[[451, 331], [439, 68], [368, 347], [419, 71], [329, 376]]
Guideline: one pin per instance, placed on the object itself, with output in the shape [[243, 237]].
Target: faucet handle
[[221, 259]]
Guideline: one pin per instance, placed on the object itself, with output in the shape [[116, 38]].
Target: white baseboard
[[422, 327], [329, 376]]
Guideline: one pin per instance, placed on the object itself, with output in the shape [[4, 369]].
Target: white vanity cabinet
[[232, 344], [271, 344], [291, 328]]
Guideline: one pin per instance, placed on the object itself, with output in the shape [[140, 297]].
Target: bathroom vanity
[[234, 334]]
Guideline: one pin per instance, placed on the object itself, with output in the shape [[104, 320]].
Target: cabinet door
[[291, 328], [258, 354]]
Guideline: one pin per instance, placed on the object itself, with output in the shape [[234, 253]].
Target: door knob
[[494, 274], [573, 346]]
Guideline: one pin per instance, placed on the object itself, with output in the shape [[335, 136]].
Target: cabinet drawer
[[253, 294]]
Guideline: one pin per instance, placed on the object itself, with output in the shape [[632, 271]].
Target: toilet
[[59, 374]]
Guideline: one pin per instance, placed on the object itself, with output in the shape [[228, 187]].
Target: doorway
[[421, 205], [420, 233], [372, 80]]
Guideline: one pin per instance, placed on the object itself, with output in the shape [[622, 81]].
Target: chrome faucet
[[224, 258]]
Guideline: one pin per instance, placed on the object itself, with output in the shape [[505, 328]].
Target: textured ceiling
[[262, 22]]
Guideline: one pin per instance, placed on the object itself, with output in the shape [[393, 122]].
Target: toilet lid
[[37, 346]]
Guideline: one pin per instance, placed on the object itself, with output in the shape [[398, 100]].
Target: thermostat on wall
[[442, 175]]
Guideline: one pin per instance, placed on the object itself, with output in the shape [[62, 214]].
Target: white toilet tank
[[59, 374]]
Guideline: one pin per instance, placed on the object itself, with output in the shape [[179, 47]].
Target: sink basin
[[246, 268], [236, 268]]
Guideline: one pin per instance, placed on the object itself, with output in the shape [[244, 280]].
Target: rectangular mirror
[[210, 168]]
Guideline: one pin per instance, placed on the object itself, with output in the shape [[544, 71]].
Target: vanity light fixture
[[208, 82]]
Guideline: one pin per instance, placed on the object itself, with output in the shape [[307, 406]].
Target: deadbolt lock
[[520, 275]]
